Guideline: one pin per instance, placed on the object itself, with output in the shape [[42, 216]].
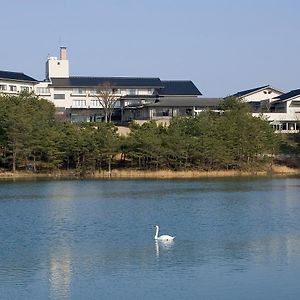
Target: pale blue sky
[[223, 46]]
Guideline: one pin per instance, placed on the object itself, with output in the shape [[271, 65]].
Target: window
[[24, 89], [13, 88], [267, 92], [78, 103], [93, 91], [132, 91], [43, 90], [3, 87], [79, 91], [189, 111], [59, 96], [295, 103], [144, 91], [95, 103], [162, 112]]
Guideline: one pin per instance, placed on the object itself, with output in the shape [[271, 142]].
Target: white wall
[[18, 86], [292, 114], [86, 95], [265, 94], [57, 68]]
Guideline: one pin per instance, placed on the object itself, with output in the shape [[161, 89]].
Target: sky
[[222, 46]]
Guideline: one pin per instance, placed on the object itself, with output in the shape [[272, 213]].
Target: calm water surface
[[235, 239]]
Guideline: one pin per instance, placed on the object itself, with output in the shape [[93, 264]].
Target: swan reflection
[[163, 246]]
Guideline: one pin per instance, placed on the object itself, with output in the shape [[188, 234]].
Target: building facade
[[281, 110], [13, 83], [79, 98]]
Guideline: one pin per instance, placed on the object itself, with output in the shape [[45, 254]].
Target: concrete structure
[[80, 98], [14, 83], [281, 109], [58, 68]]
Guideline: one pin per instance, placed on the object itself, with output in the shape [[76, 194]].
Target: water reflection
[[67, 239], [163, 246], [61, 226], [60, 274]]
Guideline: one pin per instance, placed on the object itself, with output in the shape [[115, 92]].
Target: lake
[[236, 238]]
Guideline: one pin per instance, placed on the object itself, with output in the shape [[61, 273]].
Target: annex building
[[282, 110]]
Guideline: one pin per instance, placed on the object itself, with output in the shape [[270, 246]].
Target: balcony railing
[[287, 131]]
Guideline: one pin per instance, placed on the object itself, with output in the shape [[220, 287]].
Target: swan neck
[[156, 234]]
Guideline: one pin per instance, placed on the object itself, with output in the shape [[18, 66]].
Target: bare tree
[[107, 98], [266, 105]]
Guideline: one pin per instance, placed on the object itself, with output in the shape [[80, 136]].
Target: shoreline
[[275, 170]]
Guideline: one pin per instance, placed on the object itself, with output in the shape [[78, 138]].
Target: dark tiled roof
[[288, 95], [15, 76], [187, 102], [179, 87], [130, 82], [246, 92]]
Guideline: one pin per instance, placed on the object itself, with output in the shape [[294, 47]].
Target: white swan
[[162, 238]]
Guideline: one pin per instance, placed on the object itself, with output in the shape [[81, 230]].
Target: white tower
[[58, 68]]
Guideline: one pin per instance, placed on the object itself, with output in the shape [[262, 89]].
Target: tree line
[[31, 138]]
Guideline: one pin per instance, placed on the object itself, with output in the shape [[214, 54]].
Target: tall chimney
[[63, 53]]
